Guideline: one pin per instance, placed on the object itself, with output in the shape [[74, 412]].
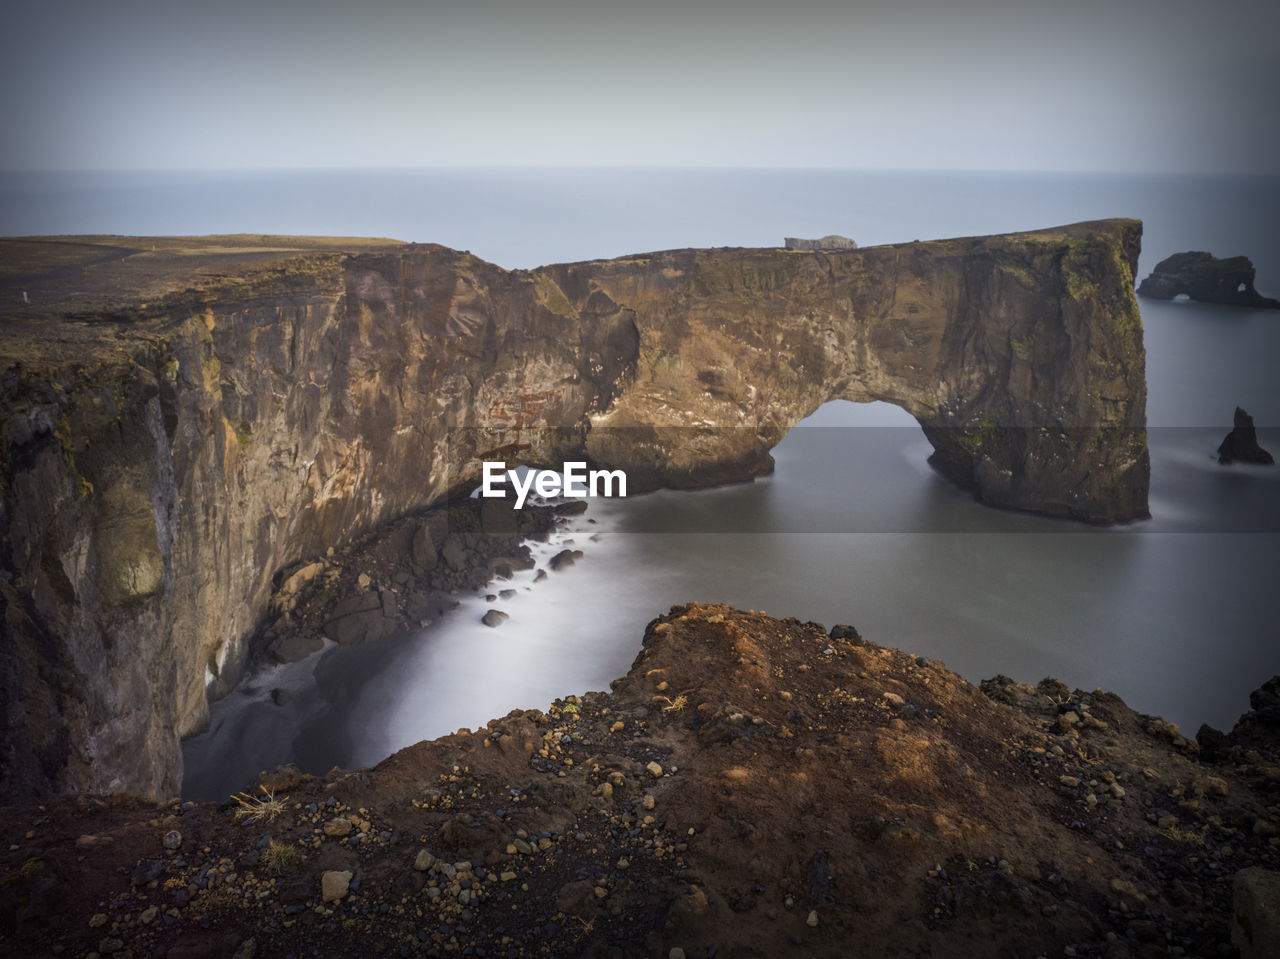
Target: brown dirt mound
[[753, 787]]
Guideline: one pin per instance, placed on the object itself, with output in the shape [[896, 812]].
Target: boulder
[[564, 558], [423, 550], [1255, 913]]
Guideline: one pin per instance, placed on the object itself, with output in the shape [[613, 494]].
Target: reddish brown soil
[[816, 797]]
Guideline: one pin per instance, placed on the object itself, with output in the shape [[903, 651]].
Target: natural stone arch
[[1020, 356]]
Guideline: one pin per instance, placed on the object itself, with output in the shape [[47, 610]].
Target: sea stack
[[1204, 277], [1241, 444]]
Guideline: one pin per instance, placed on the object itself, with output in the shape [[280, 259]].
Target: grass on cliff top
[[45, 277]]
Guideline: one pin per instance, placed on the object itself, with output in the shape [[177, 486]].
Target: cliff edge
[[184, 419], [753, 787]]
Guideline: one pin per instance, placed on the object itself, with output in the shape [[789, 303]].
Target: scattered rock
[[563, 559], [494, 618]]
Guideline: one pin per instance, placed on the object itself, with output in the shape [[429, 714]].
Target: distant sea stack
[[1241, 444], [832, 242], [1204, 277]]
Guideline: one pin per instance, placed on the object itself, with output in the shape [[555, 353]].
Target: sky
[[1105, 85]]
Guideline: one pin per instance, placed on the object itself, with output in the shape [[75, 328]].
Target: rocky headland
[[752, 787], [188, 423], [1206, 278]]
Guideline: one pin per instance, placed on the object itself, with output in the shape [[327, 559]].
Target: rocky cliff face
[[182, 425]]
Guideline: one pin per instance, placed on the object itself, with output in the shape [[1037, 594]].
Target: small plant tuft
[[262, 808], [279, 857]]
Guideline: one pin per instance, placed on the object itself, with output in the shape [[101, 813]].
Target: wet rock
[[1241, 444], [563, 559], [292, 646]]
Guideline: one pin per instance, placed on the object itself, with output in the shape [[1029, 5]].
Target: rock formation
[[185, 419], [1204, 277], [752, 788], [832, 241], [1241, 444]]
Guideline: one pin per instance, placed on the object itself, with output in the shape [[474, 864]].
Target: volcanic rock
[[1204, 277], [1241, 444]]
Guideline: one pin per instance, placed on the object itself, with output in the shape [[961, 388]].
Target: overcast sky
[[1137, 85]]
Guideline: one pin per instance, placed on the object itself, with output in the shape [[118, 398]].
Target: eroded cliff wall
[[176, 432]]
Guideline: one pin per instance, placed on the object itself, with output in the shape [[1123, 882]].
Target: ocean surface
[[1179, 614]]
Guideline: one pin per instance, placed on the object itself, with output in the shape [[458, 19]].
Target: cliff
[[752, 787], [185, 419]]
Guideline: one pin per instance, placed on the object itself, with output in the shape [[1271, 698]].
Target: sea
[[1178, 614]]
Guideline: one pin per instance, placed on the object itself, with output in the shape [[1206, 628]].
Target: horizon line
[[618, 167]]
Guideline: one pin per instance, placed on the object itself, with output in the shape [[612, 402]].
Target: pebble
[[655, 770], [812, 920], [172, 840], [423, 861], [338, 827], [334, 884]]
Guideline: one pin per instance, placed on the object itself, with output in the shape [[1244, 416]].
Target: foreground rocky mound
[[1204, 277], [752, 787]]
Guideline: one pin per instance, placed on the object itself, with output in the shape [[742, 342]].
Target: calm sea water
[[1178, 614]]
